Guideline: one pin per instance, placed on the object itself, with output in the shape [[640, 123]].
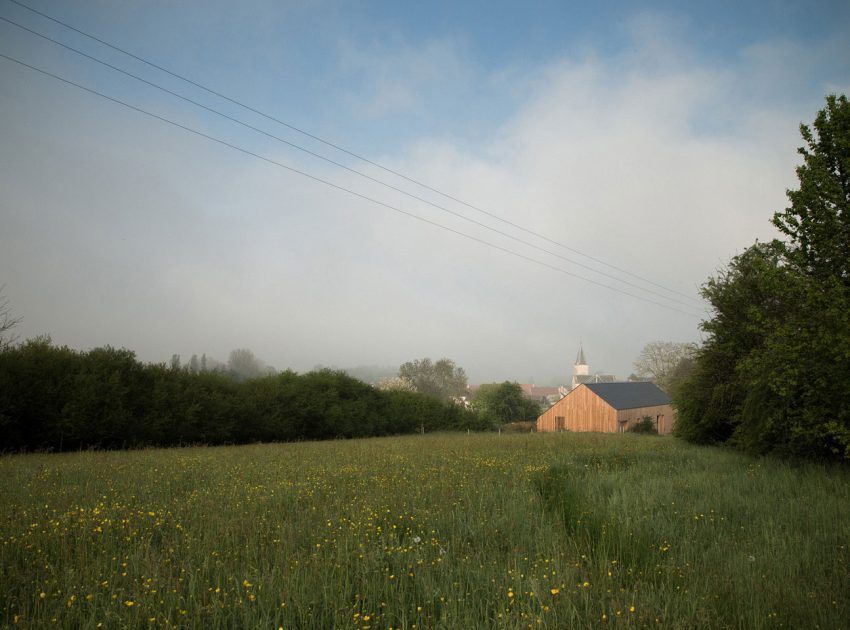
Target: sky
[[586, 167]]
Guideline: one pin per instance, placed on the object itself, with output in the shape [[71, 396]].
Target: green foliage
[[662, 361], [442, 380], [55, 398], [774, 372], [818, 221], [503, 403], [243, 365], [645, 425]]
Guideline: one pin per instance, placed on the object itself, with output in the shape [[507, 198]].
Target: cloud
[[395, 76], [657, 159]]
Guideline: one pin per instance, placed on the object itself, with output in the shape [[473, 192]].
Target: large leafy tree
[[441, 379], [774, 372], [658, 360], [818, 221], [504, 402]]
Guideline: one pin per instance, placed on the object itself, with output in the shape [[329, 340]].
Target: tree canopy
[[659, 361], [441, 379], [57, 398], [503, 403], [774, 372]]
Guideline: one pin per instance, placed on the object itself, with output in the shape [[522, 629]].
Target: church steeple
[[580, 358], [580, 368]]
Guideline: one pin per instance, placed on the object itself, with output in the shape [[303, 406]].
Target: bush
[[60, 399], [645, 425]]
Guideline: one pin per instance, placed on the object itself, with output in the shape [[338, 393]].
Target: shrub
[[645, 425], [58, 398]]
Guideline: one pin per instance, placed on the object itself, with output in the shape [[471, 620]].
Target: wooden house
[[609, 408]]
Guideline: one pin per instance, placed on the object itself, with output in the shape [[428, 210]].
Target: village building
[[609, 408], [543, 395], [581, 372]]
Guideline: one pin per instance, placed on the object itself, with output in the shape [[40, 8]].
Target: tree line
[[57, 398], [773, 375]]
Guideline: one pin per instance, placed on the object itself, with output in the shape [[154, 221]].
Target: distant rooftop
[[629, 395], [594, 378]]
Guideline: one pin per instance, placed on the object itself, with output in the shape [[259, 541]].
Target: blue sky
[[657, 137]]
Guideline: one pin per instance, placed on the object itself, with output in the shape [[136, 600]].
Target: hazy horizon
[[659, 140]]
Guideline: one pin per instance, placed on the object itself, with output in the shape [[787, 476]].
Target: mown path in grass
[[435, 531]]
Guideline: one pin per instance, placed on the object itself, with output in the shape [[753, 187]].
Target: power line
[[360, 157], [337, 186], [343, 166]]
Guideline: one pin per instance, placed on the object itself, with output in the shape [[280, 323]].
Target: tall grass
[[449, 531]]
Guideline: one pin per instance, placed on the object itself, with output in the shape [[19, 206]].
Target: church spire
[[580, 358]]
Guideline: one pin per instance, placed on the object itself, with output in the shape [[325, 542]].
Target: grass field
[[446, 531]]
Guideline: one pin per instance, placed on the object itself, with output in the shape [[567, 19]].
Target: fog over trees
[[660, 361]]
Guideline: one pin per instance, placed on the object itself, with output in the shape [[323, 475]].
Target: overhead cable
[[343, 166], [358, 156], [339, 187]]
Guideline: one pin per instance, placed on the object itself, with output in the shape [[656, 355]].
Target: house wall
[[663, 415], [581, 410]]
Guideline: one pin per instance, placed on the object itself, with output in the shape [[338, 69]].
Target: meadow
[[425, 531]]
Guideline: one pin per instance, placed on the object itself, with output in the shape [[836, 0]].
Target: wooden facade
[[584, 410]]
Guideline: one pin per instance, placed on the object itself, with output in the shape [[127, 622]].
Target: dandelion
[[129, 603], [554, 591], [631, 609]]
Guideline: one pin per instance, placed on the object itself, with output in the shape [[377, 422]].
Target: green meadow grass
[[435, 531]]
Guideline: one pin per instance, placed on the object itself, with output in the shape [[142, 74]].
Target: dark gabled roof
[[629, 395], [595, 378]]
